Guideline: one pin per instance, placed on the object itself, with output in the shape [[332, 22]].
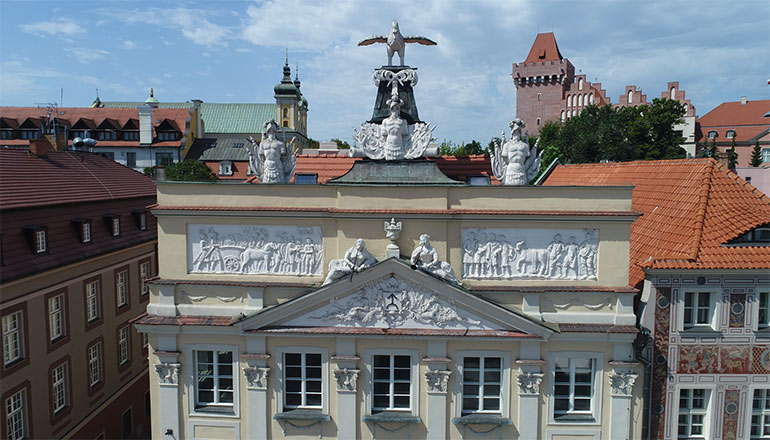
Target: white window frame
[[94, 364], [766, 155], [85, 229], [92, 301], [143, 221], [59, 393], [714, 309], [280, 353], [13, 337], [116, 226], [750, 410], [505, 391], [707, 412], [16, 415], [225, 168], [41, 244], [414, 391], [596, 400], [124, 345], [759, 308], [121, 287], [225, 410], [56, 316], [144, 275]]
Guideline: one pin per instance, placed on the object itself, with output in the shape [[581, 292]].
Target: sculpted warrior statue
[[272, 160], [396, 43], [356, 259], [394, 130], [514, 163]]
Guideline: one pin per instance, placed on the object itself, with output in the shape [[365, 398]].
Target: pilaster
[[256, 373], [437, 378], [346, 377], [528, 380]]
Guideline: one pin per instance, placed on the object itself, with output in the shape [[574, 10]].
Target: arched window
[[580, 84], [685, 109], [581, 100], [562, 116], [285, 112], [591, 98], [712, 134], [573, 113], [730, 134], [672, 95], [630, 96], [539, 96], [569, 100]]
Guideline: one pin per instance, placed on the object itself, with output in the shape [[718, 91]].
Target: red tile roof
[[691, 207], [146, 319], [62, 177], [596, 328], [735, 113], [544, 49]]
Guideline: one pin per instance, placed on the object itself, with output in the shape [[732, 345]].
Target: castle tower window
[[569, 100], [562, 116], [684, 106], [630, 96], [590, 99], [539, 96], [580, 84], [580, 100], [538, 122], [672, 94]]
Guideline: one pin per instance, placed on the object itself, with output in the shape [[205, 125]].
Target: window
[[124, 346], [56, 316], [12, 338], [305, 179], [573, 387], [766, 155], [760, 414], [116, 226], [712, 134], [144, 274], [563, 117], [482, 380], [238, 145], [16, 417], [763, 320], [391, 382], [672, 94], [478, 180], [40, 241], [121, 287], [164, 158], [59, 387], [539, 96], [107, 135], [537, 121], [693, 409], [30, 134], [127, 423], [302, 380], [145, 341], [132, 135], [730, 134], [286, 124], [92, 301], [6, 134], [214, 378], [591, 99], [131, 159], [95, 364], [225, 168], [580, 84], [698, 309], [108, 154], [140, 218], [630, 96], [85, 229], [166, 135]]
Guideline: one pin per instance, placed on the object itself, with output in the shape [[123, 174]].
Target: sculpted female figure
[[356, 259]]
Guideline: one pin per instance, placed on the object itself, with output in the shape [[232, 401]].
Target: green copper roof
[[219, 118], [395, 172]]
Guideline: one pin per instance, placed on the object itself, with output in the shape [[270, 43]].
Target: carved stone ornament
[[529, 383], [256, 377], [356, 259], [347, 379], [514, 163], [392, 232], [622, 383], [395, 42], [168, 373], [425, 257], [437, 380], [242, 249], [391, 303], [530, 253], [272, 160]]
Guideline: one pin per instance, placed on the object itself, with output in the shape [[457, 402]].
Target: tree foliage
[[190, 171], [756, 155], [342, 145], [600, 134], [449, 148], [732, 155]]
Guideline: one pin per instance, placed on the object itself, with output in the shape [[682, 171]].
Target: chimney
[[145, 125], [744, 100], [723, 159], [57, 141], [39, 147]]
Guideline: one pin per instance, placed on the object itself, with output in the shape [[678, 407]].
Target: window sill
[[701, 331], [390, 417], [574, 418], [302, 414], [224, 410], [482, 419]]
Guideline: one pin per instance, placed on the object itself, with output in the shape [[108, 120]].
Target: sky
[[234, 51]]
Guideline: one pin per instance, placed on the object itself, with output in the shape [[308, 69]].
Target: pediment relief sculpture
[[356, 259], [425, 257]]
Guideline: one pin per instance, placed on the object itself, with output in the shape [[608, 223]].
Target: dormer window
[[113, 223], [478, 180], [712, 134], [83, 229], [37, 237], [140, 217], [131, 135], [305, 179], [107, 135], [225, 168], [166, 136], [730, 134], [759, 236], [6, 133]]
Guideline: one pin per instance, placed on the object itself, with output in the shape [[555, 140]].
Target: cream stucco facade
[[535, 342]]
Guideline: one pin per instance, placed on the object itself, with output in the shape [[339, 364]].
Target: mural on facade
[[760, 360], [698, 359], [530, 253], [241, 249], [660, 361], [734, 359], [731, 419], [737, 310]]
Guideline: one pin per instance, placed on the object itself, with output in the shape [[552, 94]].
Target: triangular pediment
[[392, 295]]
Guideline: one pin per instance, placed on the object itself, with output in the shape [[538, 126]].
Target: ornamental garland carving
[[168, 373], [534, 253], [529, 383], [622, 383], [347, 379], [256, 377], [393, 303], [437, 380], [241, 249]]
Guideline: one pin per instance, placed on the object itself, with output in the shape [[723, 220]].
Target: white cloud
[[60, 27], [194, 24], [128, 44], [84, 55]]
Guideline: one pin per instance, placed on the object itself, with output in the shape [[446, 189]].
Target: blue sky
[[233, 51]]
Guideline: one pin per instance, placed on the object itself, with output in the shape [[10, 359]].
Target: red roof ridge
[[741, 181], [703, 200]]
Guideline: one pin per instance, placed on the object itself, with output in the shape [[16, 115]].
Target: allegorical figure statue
[[396, 43], [356, 259], [425, 257], [393, 130], [513, 162], [271, 160]]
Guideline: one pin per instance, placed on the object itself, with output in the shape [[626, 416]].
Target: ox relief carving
[[530, 253], [437, 380], [168, 374], [622, 383], [256, 377], [241, 249], [393, 303], [529, 383], [347, 379]]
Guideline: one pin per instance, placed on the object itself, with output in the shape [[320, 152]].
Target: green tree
[[732, 155], [342, 145], [714, 151], [190, 171], [471, 148], [492, 145], [756, 155], [312, 144]]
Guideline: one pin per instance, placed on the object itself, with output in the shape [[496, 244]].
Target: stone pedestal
[[405, 92]]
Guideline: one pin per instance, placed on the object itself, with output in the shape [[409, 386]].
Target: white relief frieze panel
[[391, 303], [530, 253], [347, 379], [168, 373], [437, 380], [242, 249]]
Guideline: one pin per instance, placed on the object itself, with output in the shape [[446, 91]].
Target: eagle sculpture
[[396, 43]]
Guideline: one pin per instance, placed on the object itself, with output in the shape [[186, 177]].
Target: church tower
[[290, 106], [541, 83]]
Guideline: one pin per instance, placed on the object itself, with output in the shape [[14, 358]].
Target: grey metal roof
[[216, 149], [396, 172]]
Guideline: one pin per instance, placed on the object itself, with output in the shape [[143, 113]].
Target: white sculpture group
[[271, 160], [490, 254], [513, 162]]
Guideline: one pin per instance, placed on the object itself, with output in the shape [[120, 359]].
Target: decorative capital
[[256, 377], [347, 379], [168, 373], [622, 383], [529, 383], [437, 380]]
